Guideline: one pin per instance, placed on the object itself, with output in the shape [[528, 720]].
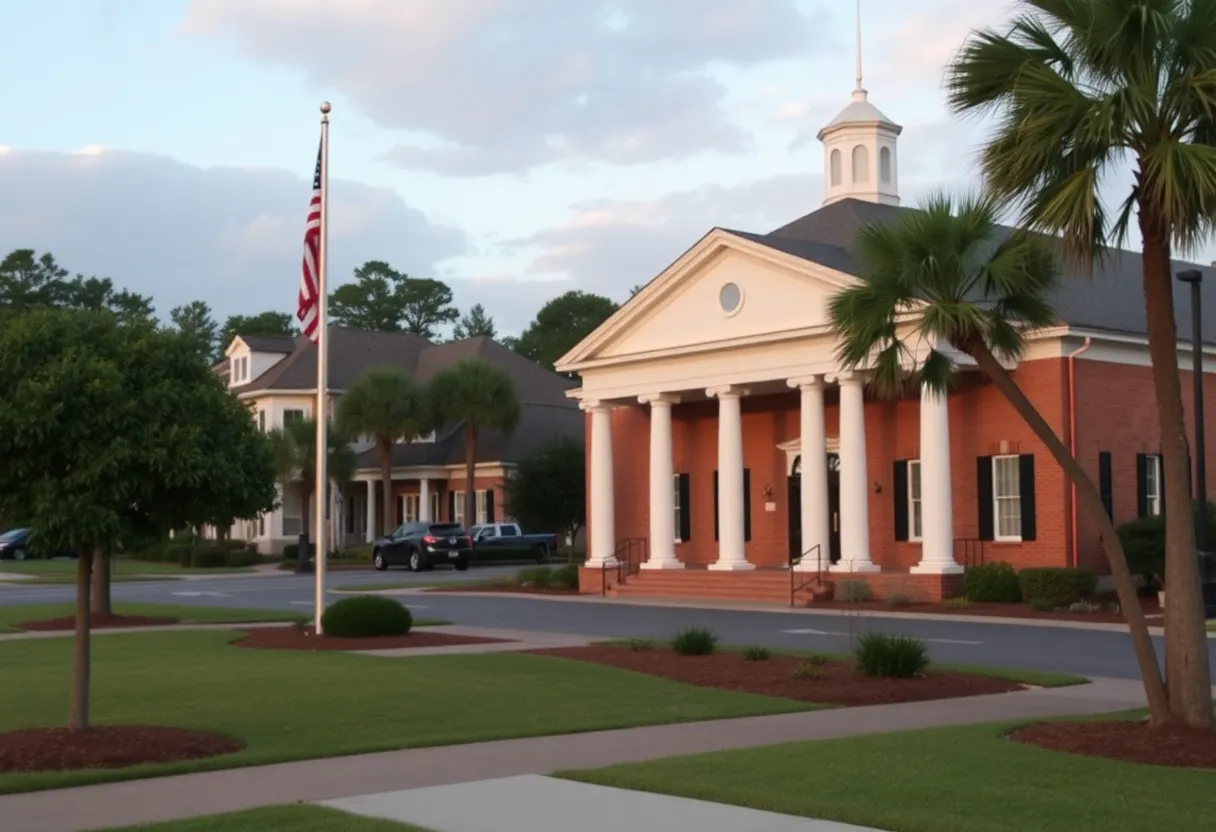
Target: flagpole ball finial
[[325, 108]]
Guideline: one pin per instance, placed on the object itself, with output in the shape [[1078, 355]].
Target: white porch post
[[732, 555], [813, 448], [662, 485], [370, 512], [424, 500], [937, 515], [602, 511], [854, 478]]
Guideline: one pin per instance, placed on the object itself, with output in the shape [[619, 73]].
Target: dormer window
[[240, 370]]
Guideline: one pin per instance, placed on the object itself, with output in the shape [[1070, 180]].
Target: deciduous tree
[[561, 324], [547, 489], [196, 325], [382, 299]]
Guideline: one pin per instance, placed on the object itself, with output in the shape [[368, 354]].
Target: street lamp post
[[1195, 278]]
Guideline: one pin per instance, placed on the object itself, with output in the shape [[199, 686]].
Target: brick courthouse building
[[723, 438]]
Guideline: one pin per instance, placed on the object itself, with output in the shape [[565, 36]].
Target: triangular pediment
[[724, 290]]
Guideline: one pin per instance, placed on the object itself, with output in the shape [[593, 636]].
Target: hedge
[[1060, 586], [992, 583], [1143, 542], [366, 616]]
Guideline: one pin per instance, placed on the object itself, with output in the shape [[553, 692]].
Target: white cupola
[[860, 158]]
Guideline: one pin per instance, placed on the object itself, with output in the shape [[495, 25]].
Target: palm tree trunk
[[470, 477], [101, 585], [1089, 497], [1188, 676], [78, 719], [386, 483]]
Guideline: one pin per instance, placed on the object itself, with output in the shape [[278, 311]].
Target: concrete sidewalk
[[209, 793]]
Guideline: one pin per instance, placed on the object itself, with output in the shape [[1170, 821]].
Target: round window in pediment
[[730, 297]]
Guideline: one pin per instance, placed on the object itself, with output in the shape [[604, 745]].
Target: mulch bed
[[518, 590], [97, 621], [1103, 616], [1134, 742], [306, 638], [107, 746], [834, 682]]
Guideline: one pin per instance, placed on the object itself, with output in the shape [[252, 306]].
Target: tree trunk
[[470, 477], [1089, 497], [101, 584], [78, 720], [386, 482], [1188, 676]]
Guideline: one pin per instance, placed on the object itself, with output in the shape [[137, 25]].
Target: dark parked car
[[422, 545], [15, 545]]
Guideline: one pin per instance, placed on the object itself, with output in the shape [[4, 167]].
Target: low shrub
[[291, 552], [1086, 607], [366, 616], [900, 599], [640, 645], [564, 577], [695, 641], [818, 659], [206, 556], [807, 672], [956, 604], [853, 592], [1061, 586], [756, 654], [1042, 605], [540, 577], [240, 558], [891, 656], [992, 583], [1144, 544]]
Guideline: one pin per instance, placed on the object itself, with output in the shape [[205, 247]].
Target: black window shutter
[[400, 501], [1142, 463], [715, 505], [1105, 485], [747, 504], [489, 505], [685, 529], [452, 506], [983, 490], [899, 488], [1026, 487]]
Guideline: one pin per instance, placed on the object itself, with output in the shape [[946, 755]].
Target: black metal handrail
[[627, 560], [818, 550], [973, 551]]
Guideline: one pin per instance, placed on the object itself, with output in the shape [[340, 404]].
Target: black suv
[[422, 545]]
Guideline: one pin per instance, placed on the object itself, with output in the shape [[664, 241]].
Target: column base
[[932, 568], [732, 566], [855, 566], [662, 564], [600, 563]]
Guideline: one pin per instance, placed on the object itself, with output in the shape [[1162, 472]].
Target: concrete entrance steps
[[773, 585]]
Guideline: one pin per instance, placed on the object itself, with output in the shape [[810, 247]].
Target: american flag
[[309, 310]]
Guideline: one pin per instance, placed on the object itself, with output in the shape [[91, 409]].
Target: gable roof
[[269, 343], [1111, 299]]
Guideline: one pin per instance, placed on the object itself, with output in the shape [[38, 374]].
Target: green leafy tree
[[561, 324], [474, 323], [977, 293], [196, 324], [478, 396], [1080, 89], [91, 294], [386, 405], [294, 449], [382, 299], [28, 281], [114, 433], [273, 324], [548, 488]]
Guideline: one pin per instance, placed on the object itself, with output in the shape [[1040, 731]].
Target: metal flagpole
[[321, 490]]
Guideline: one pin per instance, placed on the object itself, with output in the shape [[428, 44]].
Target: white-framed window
[[1152, 484], [290, 416], [915, 515], [435, 505], [482, 512], [458, 507], [1007, 498], [293, 517], [675, 486], [413, 508]]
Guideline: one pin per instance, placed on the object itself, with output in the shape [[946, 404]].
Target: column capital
[[659, 399], [815, 382], [594, 406], [848, 377], [727, 391]]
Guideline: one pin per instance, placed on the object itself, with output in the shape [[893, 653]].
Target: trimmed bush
[[366, 616], [1143, 542], [1042, 605], [992, 583], [891, 656], [853, 592], [695, 641], [291, 551], [640, 645], [1062, 586], [240, 558], [956, 604], [540, 577], [564, 577], [807, 672], [756, 654]]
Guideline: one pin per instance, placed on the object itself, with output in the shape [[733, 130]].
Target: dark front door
[[794, 503], [834, 506]]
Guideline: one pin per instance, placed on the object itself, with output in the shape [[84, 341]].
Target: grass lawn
[[298, 818], [942, 780], [122, 566], [271, 700], [11, 616]]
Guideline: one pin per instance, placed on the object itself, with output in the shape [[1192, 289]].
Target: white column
[[662, 485], [370, 532], [936, 511], [813, 448], [424, 500], [602, 512], [732, 555], [854, 478]]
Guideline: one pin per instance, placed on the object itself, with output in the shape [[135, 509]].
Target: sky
[[516, 149]]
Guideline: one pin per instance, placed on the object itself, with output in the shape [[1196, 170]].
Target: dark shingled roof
[[1111, 299], [269, 343]]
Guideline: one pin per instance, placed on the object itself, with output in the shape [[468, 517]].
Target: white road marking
[[808, 632], [202, 594]]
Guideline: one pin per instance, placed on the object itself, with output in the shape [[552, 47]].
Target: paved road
[[1089, 652]]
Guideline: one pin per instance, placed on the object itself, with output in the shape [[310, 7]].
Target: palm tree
[[941, 276], [295, 461], [387, 406], [480, 397], [1081, 88]]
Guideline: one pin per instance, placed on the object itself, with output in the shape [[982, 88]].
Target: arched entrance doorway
[[795, 508]]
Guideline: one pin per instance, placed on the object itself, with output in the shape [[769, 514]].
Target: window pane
[[1006, 480], [914, 479], [916, 519]]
